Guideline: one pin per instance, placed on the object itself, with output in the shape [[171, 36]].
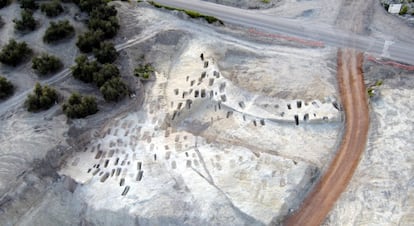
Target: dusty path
[[353, 94]]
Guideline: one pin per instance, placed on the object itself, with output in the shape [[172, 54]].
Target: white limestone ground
[[206, 149]]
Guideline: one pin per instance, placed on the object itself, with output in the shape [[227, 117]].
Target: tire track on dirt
[[329, 188]]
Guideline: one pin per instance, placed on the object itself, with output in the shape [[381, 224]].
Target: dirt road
[[353, 94]]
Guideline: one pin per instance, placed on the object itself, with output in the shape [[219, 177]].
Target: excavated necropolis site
[[232, 128]]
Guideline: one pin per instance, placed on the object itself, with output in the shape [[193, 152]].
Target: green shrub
[[106, 53], [104, 18], [404, 10], [14, 53], [4, 3], [190, 13], [46, 64], [52, 9], [114, 89], [103, 12], [6, 88], [58, 31], [107, 72], [89, 41], [42, 98], [84, 70], [80, 106], [26, 23], [144, 71], [28, 4], [109, 27]]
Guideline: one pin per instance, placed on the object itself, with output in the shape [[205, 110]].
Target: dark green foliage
[[46, 64], [28, 4], [109, 27], [14, 53], [4, 3], [84, 69], [190, 13], [114, 89], [80, 106], [104, 18], [103, 12], [102, 21], [107, 72], [6, 88], [106, 53], [42, 98], [26, 23], [89, 5], [52, 9], [404, 10], [144, 71], [58, 31], [89, 40]]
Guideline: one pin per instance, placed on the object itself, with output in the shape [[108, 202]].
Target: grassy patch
[[190, 13], [266, 1], [404, 10], [373, 88], [144, 71]]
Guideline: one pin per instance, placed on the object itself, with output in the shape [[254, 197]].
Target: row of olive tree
[[15, 53], [103, 24], [44, 97], [105, 76]]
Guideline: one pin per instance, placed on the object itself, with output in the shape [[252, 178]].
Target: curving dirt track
[[353, 94]]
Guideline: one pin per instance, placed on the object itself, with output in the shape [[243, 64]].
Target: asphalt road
[[329, 35]]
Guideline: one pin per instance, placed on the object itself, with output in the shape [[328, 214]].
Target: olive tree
[[58, 31], [14, 53], [106, 53], [6, 88], [79, 106], [42, 98], [46, 64], [27, 21]]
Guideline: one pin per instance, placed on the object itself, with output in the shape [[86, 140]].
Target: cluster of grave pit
[[126, 148], [213, 86]]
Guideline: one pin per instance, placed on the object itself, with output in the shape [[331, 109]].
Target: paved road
[[337, 176], [397, 50]]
